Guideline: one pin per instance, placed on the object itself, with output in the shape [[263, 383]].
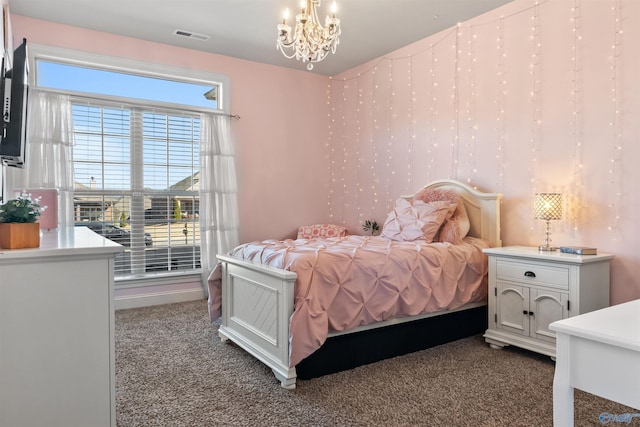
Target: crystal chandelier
[[310, 41]]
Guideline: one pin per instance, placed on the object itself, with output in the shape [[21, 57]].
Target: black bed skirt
[[344, 352]]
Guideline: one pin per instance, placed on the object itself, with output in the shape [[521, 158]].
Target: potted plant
[[18, 226], [371, 226]]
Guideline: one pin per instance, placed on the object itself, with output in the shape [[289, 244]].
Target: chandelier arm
[[314, 11]]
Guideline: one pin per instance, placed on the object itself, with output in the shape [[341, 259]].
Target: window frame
[[39, 52]]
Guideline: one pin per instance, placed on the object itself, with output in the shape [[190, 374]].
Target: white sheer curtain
[[218, 191], [49, 156]]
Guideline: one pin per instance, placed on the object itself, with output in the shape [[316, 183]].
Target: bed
[[270, 304]]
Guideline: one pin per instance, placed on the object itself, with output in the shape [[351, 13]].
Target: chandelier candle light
[[310, 41], [548, 206]]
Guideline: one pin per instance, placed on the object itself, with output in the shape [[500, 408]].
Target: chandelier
[[310, 42]]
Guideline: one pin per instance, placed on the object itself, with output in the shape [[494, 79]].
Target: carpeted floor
[[172, 370]]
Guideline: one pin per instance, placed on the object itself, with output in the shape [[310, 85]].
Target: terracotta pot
[[15, 235]]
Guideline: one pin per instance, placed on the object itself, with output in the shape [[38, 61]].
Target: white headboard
[[483, 209]]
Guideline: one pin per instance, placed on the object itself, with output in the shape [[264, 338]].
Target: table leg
[[563, 408]]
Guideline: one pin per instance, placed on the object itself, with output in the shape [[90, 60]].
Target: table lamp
[[548, 206]]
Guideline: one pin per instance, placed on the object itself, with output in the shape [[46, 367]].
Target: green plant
[[22, 209], [371, 226]]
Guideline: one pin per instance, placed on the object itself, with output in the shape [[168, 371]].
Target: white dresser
[[57, 357], [530, 289]]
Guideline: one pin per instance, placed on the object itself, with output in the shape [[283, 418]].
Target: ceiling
[[247, 28]]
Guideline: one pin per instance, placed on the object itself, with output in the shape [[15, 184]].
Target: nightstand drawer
[[533, 273]]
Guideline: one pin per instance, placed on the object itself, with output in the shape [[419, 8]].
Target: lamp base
[[547, 247]]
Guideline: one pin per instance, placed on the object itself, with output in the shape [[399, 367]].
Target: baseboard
[[158, 298]]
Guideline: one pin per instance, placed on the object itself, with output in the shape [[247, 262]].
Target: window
[[136, 162], [136, 175], [115, 83]]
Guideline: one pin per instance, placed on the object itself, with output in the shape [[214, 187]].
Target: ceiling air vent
[[191, 35]]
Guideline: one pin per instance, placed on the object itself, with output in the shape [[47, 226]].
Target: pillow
[[455, 227], [417, 220], [321, 230]]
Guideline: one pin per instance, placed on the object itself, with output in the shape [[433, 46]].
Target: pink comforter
[[345, 282]]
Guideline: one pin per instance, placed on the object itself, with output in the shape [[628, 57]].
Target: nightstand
[[529, 289]]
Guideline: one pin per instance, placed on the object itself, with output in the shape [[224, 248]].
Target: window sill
[[158, 279]]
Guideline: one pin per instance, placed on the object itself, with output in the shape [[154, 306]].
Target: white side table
[[598, 352], [529, 289]]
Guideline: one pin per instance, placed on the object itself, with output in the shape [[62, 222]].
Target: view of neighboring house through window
[[136, 163]]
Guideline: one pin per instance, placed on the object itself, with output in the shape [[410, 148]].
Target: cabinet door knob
[[531, 313], [525, 312], [529, 274]]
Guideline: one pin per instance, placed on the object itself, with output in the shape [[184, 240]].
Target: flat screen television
[[14, 109]]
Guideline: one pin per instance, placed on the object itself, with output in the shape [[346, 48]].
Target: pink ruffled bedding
[[346, 282]]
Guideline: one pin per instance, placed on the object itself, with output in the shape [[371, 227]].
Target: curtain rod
[[134, 101]]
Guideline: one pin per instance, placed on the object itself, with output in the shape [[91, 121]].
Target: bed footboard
[[257, 303]]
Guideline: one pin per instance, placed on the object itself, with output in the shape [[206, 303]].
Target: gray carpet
[[172, 370]]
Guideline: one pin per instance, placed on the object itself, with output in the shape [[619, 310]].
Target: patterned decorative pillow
[[455, 227], [415, 220], [321, 230]]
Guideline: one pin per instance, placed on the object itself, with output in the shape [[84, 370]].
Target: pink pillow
[[455, 227], [417, 220], [321, 230]]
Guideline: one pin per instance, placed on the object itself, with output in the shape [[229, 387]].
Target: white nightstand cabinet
[[530, 289]]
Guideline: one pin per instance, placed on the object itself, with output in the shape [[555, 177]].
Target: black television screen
[[14, 109]]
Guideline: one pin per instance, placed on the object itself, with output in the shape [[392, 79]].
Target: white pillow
[[416, 220]]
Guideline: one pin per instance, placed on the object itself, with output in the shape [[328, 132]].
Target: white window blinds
[[136, 183]]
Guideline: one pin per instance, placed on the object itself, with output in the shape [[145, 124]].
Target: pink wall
[[280, 138], [523, 99], [520, 100]]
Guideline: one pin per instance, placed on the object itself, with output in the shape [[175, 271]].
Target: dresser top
[[533, 253], [65, 242]]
